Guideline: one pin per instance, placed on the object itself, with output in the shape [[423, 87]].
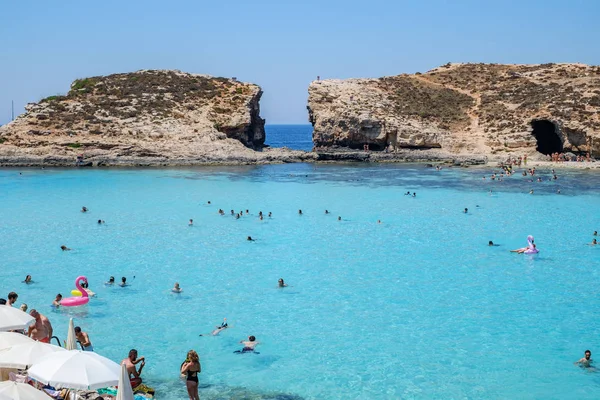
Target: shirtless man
[[586, 361], [130, 362], [12, 298], [41, 330], [84, 339], [249, 345], [57, 300]]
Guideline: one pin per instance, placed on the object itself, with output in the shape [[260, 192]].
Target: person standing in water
[[249, 345], [57, 300], [84, 339], [586, 361], [281, 283], [123, 282], [191, 368]]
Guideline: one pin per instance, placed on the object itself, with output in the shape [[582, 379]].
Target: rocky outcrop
[[143, 118], [463, 109]]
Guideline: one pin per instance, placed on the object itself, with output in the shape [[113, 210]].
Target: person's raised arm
[[185, 366]]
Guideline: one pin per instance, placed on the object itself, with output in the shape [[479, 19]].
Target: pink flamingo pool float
[[77, 301]]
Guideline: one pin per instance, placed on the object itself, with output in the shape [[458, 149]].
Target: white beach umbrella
[[71, 338], [10, 390], [23, 355], [12, 319], [125, 391], [10, 339], [76, 369]]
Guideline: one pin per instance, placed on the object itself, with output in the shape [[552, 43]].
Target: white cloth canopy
[[10, 390], [13, 319], [125, 391], [23, 355], [10, 339], [71, 338], [76, 369]]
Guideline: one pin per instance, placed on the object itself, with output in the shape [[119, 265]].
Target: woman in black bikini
[[191, 368]]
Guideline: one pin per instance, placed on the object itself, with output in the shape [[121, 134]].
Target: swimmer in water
[[378, 221], [85, 286], [594, 242], [111, 281], [209, 202], [326, 211], [299, 212], [249, 238], [123, 282], [466, 210], [595, 233], [56, 302], [249, 345], [84, 209], [414, 194], [339, 218], [176, 288], [28, 279], [490, 243], [281, 283], [219, 328], [64, 248], [531, 191], [270, 214], [191, 223], [586, 361]]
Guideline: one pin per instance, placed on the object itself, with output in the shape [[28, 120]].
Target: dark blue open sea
[[296, 137]]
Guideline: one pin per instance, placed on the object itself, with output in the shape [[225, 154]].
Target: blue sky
[[282, 46]]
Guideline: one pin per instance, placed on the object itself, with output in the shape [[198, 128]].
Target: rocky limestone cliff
[[145, 117], [477, 109]]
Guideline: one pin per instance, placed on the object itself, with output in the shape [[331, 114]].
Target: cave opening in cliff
[[546, 135]]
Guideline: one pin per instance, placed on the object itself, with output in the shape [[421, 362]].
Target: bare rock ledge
[[144, 118], [481, 111]]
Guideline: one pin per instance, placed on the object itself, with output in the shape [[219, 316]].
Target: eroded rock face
[[487, 109], [144, 114]]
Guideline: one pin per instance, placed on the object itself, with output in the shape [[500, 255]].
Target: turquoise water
[[417, 307]]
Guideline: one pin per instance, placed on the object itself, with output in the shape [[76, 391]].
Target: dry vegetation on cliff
[[144, 114], [462, 108]]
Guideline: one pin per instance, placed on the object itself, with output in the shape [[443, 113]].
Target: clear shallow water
[[416, 307], [295, 137]]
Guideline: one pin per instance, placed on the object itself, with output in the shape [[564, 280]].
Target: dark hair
[[12, 295], [112, 278], [123, 279], [77, 329], [252, 338], [2, 302], [132, 351], [59, 295], [587, 351]]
